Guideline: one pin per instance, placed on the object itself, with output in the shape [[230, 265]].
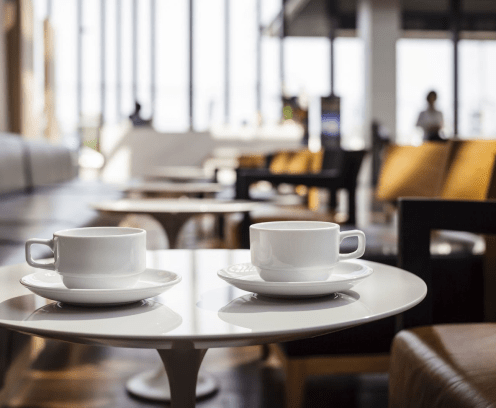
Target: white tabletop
[[168, 187], [176, 205], [181, 172], [203, 311]]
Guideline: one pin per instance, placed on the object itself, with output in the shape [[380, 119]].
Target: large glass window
[[306, 74], [350, 86], [91, 58], [144, 58], [209, 69], [172, 103], [306, 65], [64, 23], [423, 65], [271, 80], [477, 84], [243, 37]]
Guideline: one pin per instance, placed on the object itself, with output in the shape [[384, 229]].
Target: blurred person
[[136, 116], [431, 120]]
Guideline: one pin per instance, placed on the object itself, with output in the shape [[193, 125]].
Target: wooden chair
[[443, 365]]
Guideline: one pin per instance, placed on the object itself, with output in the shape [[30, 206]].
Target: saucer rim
[[176, 279], [369, 271]]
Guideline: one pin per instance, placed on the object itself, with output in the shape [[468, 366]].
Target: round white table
[[172, 213], [181, 173], [203, 312], [168, 189]]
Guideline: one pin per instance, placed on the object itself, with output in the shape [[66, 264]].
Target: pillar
[[3, 71], [378, 23], [19, 68]]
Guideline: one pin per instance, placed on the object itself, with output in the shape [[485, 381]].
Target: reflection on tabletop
[[147, 316]]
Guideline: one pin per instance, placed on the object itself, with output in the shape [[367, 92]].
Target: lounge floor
[[76, 376]]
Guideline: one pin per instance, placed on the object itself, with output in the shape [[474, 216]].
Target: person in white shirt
[[431, 120]]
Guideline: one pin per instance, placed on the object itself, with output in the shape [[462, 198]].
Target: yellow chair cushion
[[412, 171], [316, 160], [279, 163], [469, 170], [252, 161], [302, 161]]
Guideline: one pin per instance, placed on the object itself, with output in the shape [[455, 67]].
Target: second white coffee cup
[[95, 258], [299, 251]]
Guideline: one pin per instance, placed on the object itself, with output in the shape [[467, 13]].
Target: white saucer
[[245, 276], [49, 285]]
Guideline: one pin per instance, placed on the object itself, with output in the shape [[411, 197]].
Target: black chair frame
[[417, 218], [342, 177]]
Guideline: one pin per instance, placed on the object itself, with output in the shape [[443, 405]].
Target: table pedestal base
[[182, 365], [154, 385]]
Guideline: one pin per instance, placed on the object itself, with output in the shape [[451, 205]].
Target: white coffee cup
[[95, 258], [299, 251]]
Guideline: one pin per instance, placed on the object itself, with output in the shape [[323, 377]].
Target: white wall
[[132, 152]]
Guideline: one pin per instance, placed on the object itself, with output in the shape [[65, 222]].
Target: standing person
[[431, 120], [136, 116]]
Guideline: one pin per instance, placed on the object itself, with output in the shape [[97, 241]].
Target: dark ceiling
[[313, 17]]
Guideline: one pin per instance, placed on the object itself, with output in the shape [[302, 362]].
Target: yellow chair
[[413, 171], [469, 170], [460, 169], [298, 162]]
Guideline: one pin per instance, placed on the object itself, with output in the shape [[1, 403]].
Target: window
[[171, 110], [208, 64], [350, 86], [422, 65], [477, 87]]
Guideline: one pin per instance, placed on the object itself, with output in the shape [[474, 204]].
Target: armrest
[[330, 179]]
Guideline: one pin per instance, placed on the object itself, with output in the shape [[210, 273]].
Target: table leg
[[245, 231], [172, 224], [182, 366], [221, 225]]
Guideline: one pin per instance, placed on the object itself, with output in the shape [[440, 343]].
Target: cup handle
[[361, 244], [31, 261]]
